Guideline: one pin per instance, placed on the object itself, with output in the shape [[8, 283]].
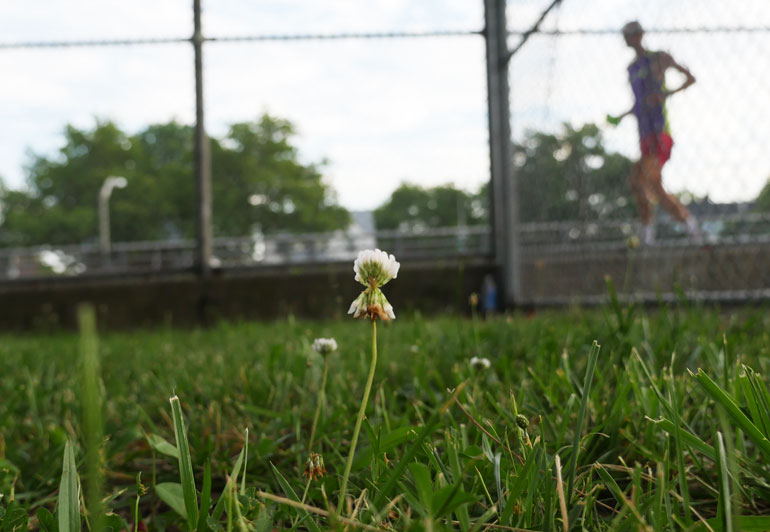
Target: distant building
[[361, 222], [340, 245]]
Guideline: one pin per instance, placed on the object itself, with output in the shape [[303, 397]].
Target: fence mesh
[[340, 99], [579, 220]]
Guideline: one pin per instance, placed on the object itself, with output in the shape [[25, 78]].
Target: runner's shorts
[[658, 144]]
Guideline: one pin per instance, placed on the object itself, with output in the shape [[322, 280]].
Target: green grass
[[641, 442]]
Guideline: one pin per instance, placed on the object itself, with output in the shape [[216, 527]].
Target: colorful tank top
[[651, 117]]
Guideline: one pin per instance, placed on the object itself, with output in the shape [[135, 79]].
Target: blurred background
[[339, 126]]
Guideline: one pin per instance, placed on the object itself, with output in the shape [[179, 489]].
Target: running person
[[646, 75]]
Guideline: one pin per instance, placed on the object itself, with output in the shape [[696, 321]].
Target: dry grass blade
[[560, 491], [317, 511]]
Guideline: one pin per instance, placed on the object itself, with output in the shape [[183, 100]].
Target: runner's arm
[[669, 62]]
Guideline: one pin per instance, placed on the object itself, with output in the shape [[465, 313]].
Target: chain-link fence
[[579, 220], [309, 116]]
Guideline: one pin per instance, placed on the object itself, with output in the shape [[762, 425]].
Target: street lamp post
[[104, 211]]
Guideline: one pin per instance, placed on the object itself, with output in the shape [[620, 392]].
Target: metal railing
[[561, 261], [570, 261], [242, 252], [740, 227]]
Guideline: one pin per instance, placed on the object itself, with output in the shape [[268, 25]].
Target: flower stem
[[321, 395], [304, 496], [361, 412]]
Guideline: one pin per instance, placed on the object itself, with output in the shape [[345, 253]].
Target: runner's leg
[[666, 200]]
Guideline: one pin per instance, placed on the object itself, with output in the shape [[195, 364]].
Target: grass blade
[[69, 493], [205, 498], [220, 506], [245, 461], [185, 465], [744, 523], [457, 473], [560, 492], [291, 494], [171, 494], [689, 439], [659, 512], [673, 401], [734, 411], [523, 479], [92, 414], [486, 516], [725, 503], [592, 358], [398, 471], [757, 399], [161, 445]]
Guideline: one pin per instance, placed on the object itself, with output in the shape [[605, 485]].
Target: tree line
[[260, 184]]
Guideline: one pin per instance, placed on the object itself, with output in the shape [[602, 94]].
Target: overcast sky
[[385, 111]]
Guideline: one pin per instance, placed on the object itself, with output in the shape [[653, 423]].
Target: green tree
[[413, 207], [762, 202], [571, 176], [261, 184], [59, 204], [564, 176], [255, 161]]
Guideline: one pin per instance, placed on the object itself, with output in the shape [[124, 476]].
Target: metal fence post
[[202, 156], [504, 206]]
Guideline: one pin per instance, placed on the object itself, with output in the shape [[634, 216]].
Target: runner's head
[[632, 33]]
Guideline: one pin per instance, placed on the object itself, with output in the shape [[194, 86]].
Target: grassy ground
[[540, 440]]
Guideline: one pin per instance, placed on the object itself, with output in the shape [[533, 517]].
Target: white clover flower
[[373, 269], [324, 346], [480, 363]]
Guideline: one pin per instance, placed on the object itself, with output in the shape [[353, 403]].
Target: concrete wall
[[180, 299], [714, 272]]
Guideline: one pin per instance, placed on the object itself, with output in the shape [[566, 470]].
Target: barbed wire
[[533, 30], [348, 36], [615, 31], [245, 38], [88, 43], [93, 43]]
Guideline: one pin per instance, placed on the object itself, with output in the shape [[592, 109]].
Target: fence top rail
[[184, 245], [300, 238], [564, 225], [659, 245]]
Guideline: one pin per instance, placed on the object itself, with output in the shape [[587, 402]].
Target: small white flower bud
[[324, 346], [480, 363]]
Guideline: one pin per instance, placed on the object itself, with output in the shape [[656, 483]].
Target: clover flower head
[[314, 466], [324, 346], [373, 269], [480, 363]]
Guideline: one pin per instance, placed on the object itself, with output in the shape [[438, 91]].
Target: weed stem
[[321, 395], [359, 419]]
